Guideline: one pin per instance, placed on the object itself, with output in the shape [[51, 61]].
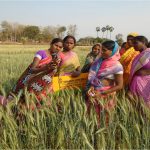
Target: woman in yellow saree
[[128, 56]]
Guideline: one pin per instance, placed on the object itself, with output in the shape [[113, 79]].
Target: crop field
[[65, 123]]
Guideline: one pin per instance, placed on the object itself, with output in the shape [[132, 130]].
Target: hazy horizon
[[124, 16]]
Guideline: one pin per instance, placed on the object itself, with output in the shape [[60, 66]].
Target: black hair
[[69, 36], [123, 44], [148, 45], [130, 36], [56, 40], [142, 39], [109, 44]]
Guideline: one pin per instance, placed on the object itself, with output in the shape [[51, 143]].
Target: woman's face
[[69, 44], [130, 41], [138, 45], [56, 47], [96, 49], [106, 53]]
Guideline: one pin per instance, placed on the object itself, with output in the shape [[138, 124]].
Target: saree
[[100, 70], [126, 61], [40, 83], [90, 58], [140, 85], [27, 75], [69, 63]]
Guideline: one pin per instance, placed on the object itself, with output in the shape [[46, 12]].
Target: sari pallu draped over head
[[100, 69], [103, 68], [140, 85]]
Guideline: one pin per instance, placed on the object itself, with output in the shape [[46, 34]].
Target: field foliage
[[65, 124]]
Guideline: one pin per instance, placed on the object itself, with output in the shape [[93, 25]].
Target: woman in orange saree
[[127, 57]]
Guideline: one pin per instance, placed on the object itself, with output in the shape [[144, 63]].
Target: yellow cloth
[[134, 34], [126, 61], [70, 62]]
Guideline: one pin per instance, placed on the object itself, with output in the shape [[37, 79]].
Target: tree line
[[15, 32]]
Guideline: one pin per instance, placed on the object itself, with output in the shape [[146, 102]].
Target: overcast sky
[[125, 16]]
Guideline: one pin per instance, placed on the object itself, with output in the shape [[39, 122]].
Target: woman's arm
[[77, 72], [35, 64], [118, 84], [143, 72]]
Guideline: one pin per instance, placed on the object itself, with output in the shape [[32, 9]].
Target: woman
[[140, 70], [123, 48], [105, 77], [70, 64], [127, 57], [91, 57], [37, 77]]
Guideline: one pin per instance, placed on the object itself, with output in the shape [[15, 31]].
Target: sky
[[124, 15]]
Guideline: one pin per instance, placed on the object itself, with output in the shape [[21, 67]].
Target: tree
[[119, 39], [72, 29], [6, 31], [49, 33], [97, 30], [107, 29], [103, 31], [86, 41], [31, 32], [60, 31], [111, 29]]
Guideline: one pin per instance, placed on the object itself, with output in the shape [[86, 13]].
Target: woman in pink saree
[[140, 70], [105, 78]]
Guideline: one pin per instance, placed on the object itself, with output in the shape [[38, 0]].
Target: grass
[[65, 124]]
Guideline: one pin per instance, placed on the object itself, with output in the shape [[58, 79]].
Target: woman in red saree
[[37, 78], [105, 78]]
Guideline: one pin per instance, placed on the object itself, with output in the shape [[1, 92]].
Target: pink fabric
[[122, 51], [140, 85], [107, 67], [3, 100], [69, 62], [109, 63]]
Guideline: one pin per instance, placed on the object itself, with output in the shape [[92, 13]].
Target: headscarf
[[134, 34], [99, 44], [114, 51]]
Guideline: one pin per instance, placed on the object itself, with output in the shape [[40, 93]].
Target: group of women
[[109, 69], [59, 59]]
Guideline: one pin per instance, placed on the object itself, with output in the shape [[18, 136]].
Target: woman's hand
[[52, 66], [94, 93], [91, 92], [75, 73], [57, 61], [90, 59]]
